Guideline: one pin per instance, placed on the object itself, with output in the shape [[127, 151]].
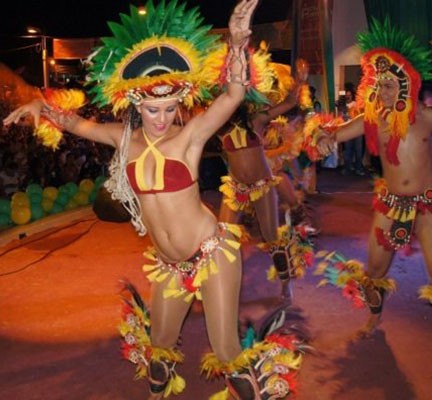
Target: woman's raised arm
[[237, 74]]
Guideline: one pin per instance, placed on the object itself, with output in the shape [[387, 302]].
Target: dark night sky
[[87, 18]]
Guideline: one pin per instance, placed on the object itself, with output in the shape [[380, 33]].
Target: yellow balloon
[[81, 198], [71, 204], [20, 215], [20, 199], [86, 185], [47, 204], [50, 192]]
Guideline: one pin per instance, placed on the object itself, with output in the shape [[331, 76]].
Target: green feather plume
[[387, 36]]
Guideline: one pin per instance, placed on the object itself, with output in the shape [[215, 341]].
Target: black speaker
[[108, 209], [210, 171]]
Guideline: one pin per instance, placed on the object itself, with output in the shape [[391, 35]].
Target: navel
[[405, 182]]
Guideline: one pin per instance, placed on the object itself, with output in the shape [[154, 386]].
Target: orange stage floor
[[60, 305]]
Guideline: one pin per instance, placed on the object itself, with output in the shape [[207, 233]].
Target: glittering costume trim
[[186, 277], [402, 210], [239, 196], [349, 276], [293, 241], [137, 348], [267, 369]]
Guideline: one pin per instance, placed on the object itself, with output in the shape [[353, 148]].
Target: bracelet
[[59, 108], [241, 55], [57, 116]]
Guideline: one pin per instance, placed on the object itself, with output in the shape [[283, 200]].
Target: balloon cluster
[[36, 202]]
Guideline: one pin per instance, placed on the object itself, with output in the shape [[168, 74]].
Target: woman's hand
[[239, 23], [325, 144], [34, 108]]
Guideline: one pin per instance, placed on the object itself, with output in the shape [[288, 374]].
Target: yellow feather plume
[[425, 293], [61, 100], [272, 274]]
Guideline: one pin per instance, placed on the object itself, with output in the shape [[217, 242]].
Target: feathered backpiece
[[391, 54], [284, 82]]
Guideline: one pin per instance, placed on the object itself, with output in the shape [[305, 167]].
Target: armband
[[60, 105]]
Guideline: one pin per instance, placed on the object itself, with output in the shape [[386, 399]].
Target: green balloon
[[37, 212], [57, 208], [4, 219], [5, 207], [34, 188], [63, 189], [62, 199], [100, 180], [35, 198], [72, 188], [92, 196]]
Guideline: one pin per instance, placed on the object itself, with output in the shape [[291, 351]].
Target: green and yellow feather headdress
[[160, 54], [166, 53]]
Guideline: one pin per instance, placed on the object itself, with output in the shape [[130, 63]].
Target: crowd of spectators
[[24, 160]]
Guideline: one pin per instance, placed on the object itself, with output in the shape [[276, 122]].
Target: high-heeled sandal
[[243, 386], [158, 376], [374, 307]]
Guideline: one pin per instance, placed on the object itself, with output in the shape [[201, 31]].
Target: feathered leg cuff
[[155, 363], [349, 276], [291, 253], [267, 368]]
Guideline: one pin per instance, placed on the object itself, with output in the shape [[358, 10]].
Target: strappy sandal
[[280, 260], [243, 386], [158, 376], [378, 306]]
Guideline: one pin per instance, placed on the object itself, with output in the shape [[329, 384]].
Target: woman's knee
[[165, 338], [167, 316]]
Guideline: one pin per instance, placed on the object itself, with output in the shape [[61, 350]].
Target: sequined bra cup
[[238, 139], [170, 175]]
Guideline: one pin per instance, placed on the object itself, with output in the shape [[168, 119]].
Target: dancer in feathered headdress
[[250, 186], [149, 66], [397, 126]]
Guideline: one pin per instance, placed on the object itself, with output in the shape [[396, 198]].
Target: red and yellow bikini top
[[170, 175], [238, 139]]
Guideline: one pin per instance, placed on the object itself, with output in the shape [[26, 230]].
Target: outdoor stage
[[60, 306]]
